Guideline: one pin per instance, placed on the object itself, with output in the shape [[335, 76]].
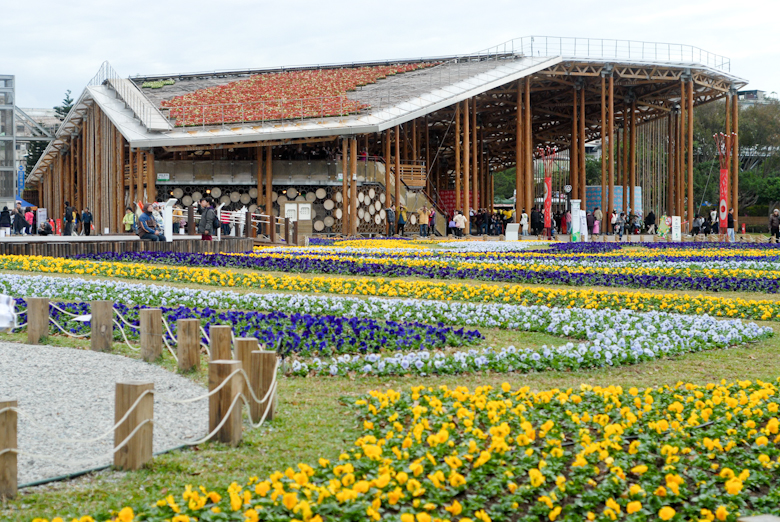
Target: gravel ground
[[71, 393]]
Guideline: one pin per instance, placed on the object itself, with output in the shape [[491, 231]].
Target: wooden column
[[427, 149], [119, 180], [345, 187], [225, 403], [71, 175], [735, 158], [679, 131], [353, 218], [581, 136], [269, 188], [466, 166], [690, 154], [627, 130], [603, 202], [220, 342], [188, 344], [61, 187], [131, 178], [519, 149], [37, 318], [386, 144], [474, 158], [102, 325], [574, 148], [457, 158], [139, 177], [137, 451], [415, 155], [151, 330], [151, 177], [259, 173], [670, 165], [8, 441], [397, 135], [632, 159], [529, 148], [611, 190]]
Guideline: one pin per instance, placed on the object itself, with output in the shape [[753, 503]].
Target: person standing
[[207, 219], [598, 216], [68, 219], [29, 217], [86, 221], [423, 219], [774, 226], [5, 221], [147, 226], [650, 222], [590, 219], [730, 227], [613, 221], [401, 220], [129, 220], [620, 222], [524, 222], [19, 223], [460, 223], [390, 216]]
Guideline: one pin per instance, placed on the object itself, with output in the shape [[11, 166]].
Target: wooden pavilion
[[426, 132]]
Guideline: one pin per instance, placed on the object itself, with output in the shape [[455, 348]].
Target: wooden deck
[[58, 246]]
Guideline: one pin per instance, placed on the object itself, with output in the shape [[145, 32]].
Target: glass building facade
[[7, 139]]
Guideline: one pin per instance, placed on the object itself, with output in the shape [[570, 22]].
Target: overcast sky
[[54, 46]]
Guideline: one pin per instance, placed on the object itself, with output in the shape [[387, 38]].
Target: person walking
[[390, 216], [207, 219], [423, 220], [460, 223], [590, 219], [650, 222], [620, 222], [524, 222], [5, 221], [774, 226], [147, 226], [19, 223], [730, 226], [597, 217], [86, 220], [29, 217], [68, 219], [401, 220]]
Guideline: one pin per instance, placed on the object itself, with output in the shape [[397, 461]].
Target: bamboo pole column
[[735, 157], [670, 165], [131, 180], [690, 152], [139, 173], [259, 181], [386, 145], [457, 158], [627, 130], [603, 202], [269, 186], [397, 134], [151, 176], [679, 185], [474, 158], [519, 149]]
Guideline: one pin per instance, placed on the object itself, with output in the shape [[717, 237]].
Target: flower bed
[[290, 334], [765, 310], [687, 452]]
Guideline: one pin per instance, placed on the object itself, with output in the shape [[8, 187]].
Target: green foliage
[[504, 183], [67, 104], [158, 84], [34, 151]]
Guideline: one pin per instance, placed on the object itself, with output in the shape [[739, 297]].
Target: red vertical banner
[[59, 226], [723, 206], [547, 202]]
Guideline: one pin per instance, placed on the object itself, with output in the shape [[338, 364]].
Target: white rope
[[77, 336], [108, 432], [121, 329], [268, 393], [200, 398], [202, 331], [168, 328], [169, 348], [125, 320], [219, 427], [64, 311], [267, 409]]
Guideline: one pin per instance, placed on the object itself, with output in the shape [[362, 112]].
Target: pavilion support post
[[574, 149], [603, 202], [581, 153], [611, 191], [427, 151], [627, 130], [690, 153], [71, 174], [151, 176], [466, 165], [353, 218], [474, 158], [735, 158], [415, 155], [670, 164], [269, 187], [632, 159], [119, 180], [529, 144], [345, 210], [139, 166], [678, 184], [397, 134], [387, 177], [259, 175], [457, 158], [130, 178]]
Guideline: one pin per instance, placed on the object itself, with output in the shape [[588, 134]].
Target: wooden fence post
[[188, 348], [138, 450], [267, 367], [151, 333], [295, 233], [220, 402], [102, 325], [287, 230], [37, 318], [191, 220], [8, 465], [221, 340], [245, 348]]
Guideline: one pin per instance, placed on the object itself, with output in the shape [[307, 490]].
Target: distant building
[[7, 140], [755, 97]]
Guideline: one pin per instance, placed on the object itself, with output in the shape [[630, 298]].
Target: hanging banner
[[576, 235], [676, 228], [723, 207], [547, 202]]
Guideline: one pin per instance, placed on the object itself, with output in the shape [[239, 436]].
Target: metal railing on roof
[[135, 100]]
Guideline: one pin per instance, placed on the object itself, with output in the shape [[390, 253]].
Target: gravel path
[[71, 393]]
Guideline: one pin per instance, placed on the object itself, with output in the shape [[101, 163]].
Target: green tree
[[67, 104], [34, 151], [504, 183]]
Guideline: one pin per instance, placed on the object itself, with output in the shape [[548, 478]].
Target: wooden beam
[[139, 178], [670, 165], [259, 176], [130, 177], [269, 187], [151, 176]]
